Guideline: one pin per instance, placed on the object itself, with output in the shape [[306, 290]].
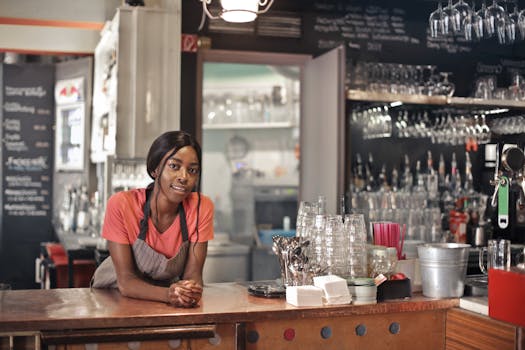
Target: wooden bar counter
[[227, 318]]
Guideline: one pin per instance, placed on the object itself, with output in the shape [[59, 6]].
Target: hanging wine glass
[[504, 28], [477, 24], [436, 22], [481, 14], [464, 10], [453, 17], [446, 87], [467, 28], [521, 23], [473, 25], [493, 18], [485, 130], [511, 23]]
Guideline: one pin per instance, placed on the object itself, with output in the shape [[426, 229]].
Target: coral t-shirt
[[124, 211]]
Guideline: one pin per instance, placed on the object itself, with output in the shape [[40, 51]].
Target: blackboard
[[397, 32], [386, 31], [27, 165]]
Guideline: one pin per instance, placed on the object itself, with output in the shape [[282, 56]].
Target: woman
[[157, 236]]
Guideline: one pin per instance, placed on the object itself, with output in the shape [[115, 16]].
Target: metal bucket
[[443, 269]]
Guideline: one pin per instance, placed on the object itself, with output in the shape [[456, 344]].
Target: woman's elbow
[[125, 286]]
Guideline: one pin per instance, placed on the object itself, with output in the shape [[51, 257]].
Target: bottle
[[73, 209], [83, 210], [369, 171], [432, 183], [455, 178], [406, 179], [469, 180], [64, 214], [95, 212], [441, 172], [420, 178], [383, 182], [395, 180], [359, 179], [286, 223]]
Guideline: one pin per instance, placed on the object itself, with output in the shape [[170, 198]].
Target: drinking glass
[[445, 86], [335, 244], [305, 218], [498, 255], [521, 23], [481, 13], [512, 24], [473, 26], [431, 81], [506, 28], [464, 10], [355, 230], [453, 18], [437, 23], [494, 18]]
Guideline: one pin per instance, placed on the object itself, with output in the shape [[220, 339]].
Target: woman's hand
[[185, 293]]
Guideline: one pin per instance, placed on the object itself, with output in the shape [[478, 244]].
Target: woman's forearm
[[134, 287]]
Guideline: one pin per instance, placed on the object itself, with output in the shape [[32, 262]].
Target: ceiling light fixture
[[238, 11]]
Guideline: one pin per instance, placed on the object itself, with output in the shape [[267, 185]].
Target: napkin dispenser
[[507, 295]]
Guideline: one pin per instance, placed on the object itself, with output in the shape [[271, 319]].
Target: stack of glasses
[[337, 246]]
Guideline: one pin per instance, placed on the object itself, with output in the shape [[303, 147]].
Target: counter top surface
[[81, 308], [479, 305]]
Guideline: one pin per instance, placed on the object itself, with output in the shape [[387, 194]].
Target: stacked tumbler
[[356, 258]]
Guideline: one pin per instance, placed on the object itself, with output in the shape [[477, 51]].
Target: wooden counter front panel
[[224, 340], [467, 330], [417, 330]]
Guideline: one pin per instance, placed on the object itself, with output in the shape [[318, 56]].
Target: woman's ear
[[155, 173]]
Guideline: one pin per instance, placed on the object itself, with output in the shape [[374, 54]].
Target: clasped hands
[[184, 293]]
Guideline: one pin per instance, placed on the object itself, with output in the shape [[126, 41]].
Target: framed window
[[69, 137]]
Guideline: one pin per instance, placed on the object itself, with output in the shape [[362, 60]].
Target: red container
[[507, 295], [83, 269]]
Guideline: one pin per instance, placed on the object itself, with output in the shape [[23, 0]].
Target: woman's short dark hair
[[170, 141]]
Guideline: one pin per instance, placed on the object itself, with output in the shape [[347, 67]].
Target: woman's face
[[180, 173]]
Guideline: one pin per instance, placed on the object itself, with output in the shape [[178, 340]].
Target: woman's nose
[[182, 176]]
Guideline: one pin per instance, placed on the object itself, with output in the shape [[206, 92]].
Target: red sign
[[189, 43]]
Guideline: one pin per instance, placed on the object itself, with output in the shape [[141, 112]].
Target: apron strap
[[144, 222], [147, 210], [183, 225]]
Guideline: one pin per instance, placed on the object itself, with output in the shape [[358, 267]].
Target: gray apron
[[154, 266]]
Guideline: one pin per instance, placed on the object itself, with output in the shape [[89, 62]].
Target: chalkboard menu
[[27, 152], [397, 32], [380, 31]]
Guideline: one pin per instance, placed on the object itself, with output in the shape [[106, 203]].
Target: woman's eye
[[194, 171], [174, 166]]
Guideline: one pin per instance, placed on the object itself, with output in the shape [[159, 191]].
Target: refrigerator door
[[322, 129]]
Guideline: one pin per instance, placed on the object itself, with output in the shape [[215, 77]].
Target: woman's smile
[[179, 188]]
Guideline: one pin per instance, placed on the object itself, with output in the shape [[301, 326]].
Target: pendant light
[[238, 11]]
